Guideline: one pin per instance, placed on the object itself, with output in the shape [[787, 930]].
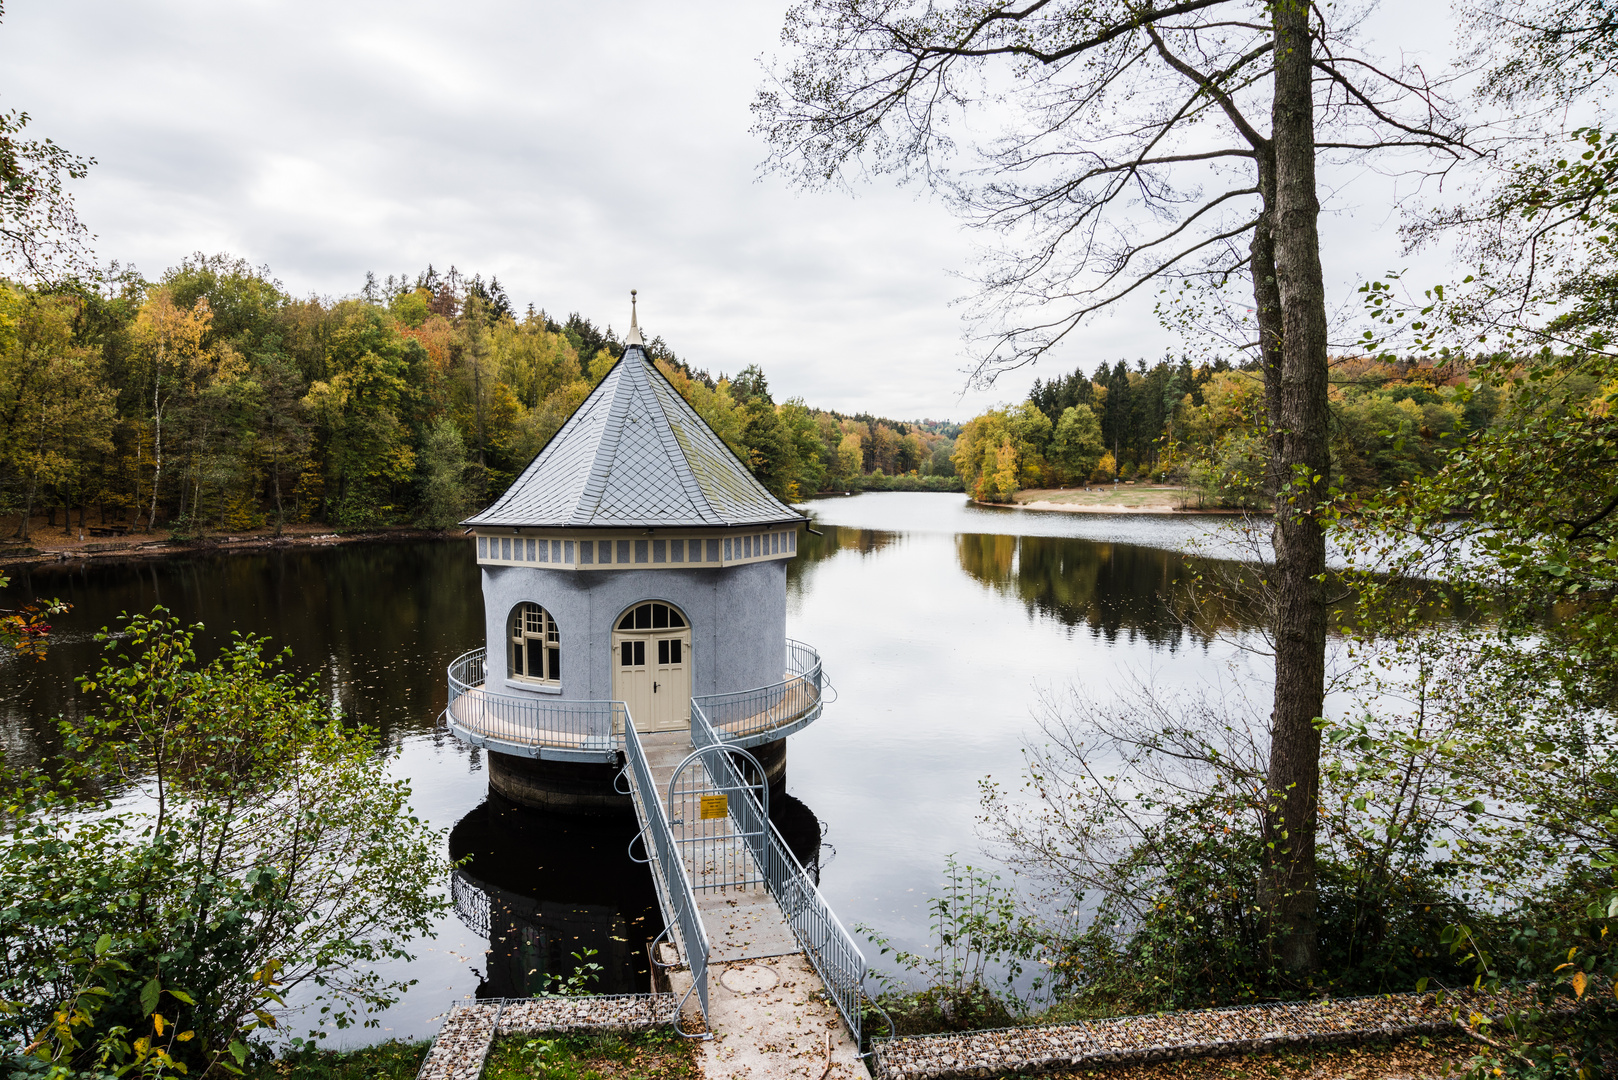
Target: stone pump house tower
[[636, 569]]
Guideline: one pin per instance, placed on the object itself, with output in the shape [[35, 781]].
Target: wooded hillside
[[212, 399]]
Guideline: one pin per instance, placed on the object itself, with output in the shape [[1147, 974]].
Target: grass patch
[[646, 1055], [384, 1061]]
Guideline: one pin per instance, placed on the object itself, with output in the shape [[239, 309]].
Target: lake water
[[940, 625]]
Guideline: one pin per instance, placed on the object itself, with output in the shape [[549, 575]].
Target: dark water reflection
[[1162, 597], [938, 631], [552, 891], [377, 623], [1111, 589], [543, 887]]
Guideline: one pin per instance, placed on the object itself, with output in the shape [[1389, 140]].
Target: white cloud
[[576, 151]]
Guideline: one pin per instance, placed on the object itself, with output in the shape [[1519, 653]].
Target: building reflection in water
[[550, 891]]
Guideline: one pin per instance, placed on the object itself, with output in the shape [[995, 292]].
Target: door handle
[[654, 686]]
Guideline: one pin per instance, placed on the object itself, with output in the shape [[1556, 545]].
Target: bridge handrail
[[527, 724], [829, 946], [673, 880], [743, 715]]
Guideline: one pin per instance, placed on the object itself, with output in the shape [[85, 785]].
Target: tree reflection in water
[[1160, 596]]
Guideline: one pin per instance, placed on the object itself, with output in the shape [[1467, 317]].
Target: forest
[[1204, 427], [213, 400]]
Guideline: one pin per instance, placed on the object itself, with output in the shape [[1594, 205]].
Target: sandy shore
[[1070, 508], [48, 545], [1117, 499]]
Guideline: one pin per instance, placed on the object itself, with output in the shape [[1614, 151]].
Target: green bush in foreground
[[220, 842]]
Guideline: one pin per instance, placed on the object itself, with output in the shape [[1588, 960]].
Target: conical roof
[[635, 454]]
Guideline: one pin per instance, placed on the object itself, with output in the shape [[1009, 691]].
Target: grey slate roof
[[635, 454]]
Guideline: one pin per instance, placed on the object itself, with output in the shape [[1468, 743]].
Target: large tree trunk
[[1267, 309], [1302, 471]]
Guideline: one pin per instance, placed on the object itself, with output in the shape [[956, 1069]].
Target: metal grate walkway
[[742, 918], [730, 889]]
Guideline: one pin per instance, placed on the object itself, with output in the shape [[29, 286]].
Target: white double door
[[651, 673]]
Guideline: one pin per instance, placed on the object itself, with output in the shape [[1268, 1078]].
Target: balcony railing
[[557, 730], [527, 726], [829, 947], [750, 717]]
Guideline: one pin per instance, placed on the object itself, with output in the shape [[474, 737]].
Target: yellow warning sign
[[715, 806]]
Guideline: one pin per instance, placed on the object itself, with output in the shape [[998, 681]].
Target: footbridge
[[730, 889]]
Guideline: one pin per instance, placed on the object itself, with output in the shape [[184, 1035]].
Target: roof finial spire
[[634, 327]]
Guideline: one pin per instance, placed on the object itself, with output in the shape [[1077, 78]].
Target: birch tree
[[171, 344]]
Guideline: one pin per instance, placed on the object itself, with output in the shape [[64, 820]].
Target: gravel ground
[[1064, 1048], [626, 1012], [462, 1045], [1416, 1058]]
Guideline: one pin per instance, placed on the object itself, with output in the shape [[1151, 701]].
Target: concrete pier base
[[560, 787], [566, 787]]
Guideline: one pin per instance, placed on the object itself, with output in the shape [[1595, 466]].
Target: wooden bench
[[109, 530]]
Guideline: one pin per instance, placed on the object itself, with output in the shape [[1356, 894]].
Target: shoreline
[[1161, 511], [1123, 499], [63, 548], [40, 551]]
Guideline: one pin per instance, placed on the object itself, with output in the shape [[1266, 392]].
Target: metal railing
[[472, 903], [828, 945], [750, 717], [528, 726], [710, 837], [669, 874]]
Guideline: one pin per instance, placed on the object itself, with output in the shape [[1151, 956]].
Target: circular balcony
[[591, 731], [547, 728], [751, 717]]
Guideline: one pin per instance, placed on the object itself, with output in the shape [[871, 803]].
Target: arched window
[[536, 649], [651, 617], [632, 652]]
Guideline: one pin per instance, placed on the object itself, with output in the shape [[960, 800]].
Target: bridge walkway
[[785, 995], [743, 920], [752, 970]]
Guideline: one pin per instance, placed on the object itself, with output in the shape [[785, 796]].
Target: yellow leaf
[[1580, 981], [185, 1036], [157, 1022]]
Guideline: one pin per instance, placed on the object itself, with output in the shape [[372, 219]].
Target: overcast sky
[[573, 150]]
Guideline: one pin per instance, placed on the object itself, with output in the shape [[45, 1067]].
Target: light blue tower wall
[[737, 616]]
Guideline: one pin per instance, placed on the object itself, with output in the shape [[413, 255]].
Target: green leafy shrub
[[219, 841], [1200, 938], [980, 941]]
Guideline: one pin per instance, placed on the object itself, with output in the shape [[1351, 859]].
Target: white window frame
[[529, 622]]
